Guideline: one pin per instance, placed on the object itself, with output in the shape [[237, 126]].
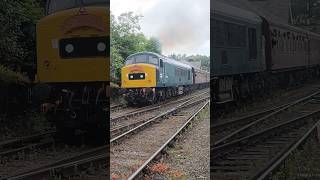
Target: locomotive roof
[[177, 63], [165, 58], [150, 53], [234, 12]]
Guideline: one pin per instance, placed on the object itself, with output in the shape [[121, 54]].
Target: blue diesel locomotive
[[149, 77]]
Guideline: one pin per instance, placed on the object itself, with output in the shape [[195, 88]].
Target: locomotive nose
[[138, 75]]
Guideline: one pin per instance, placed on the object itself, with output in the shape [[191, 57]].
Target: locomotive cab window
[[129, 61], [153, 60], [60, 5], [161, 63], [252, 39], [141, 59]]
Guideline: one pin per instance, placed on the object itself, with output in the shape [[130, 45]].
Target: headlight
[[101, 46], [69, 48]]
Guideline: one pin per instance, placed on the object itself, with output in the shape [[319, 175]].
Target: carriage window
[[218, 33], [252, 37], [189, 75]]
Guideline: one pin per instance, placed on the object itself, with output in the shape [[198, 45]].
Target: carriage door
[[162, 72]]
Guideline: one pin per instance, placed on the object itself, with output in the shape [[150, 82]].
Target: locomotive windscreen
[[59, 5], [142, 58]]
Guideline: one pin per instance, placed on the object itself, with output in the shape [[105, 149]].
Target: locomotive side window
[[218, 33], [235, 35], [228, 34], [252, 39]]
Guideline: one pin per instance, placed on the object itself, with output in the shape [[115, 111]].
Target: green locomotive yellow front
[[73, 64]]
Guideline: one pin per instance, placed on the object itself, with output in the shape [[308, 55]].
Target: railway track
[[66, 167], [118, 112], [126, 124], [140, 114], [223, 129], [12, 147], [253, 150], [116, 107], [139, 173], [130, 112], [241, 127], [98, 157], [132, 153]]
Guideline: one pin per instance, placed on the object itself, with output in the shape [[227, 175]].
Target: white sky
[[182, 26]]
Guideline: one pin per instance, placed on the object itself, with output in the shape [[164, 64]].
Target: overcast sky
[[182, 26]]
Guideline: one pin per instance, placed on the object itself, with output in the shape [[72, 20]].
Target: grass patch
[[303, 163], [8, 76], [25, 124]]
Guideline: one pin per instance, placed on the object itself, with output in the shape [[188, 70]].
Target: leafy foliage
[[10, 77], [126, 39], [17, 40], [306, 13]]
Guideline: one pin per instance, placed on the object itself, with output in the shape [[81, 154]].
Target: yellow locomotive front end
[[73, 46], [138, 76], [73, 60]]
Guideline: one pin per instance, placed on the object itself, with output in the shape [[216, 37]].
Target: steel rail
[[170, 140], [278, 160], [243, 118], [154, 119], [244, 128], [112, 107], [34, 137], [61, 163], [122, 129], [218, 151], [90, 156], [143, 110]]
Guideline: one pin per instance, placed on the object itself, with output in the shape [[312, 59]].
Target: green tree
[[17, 40], [154, 45]]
